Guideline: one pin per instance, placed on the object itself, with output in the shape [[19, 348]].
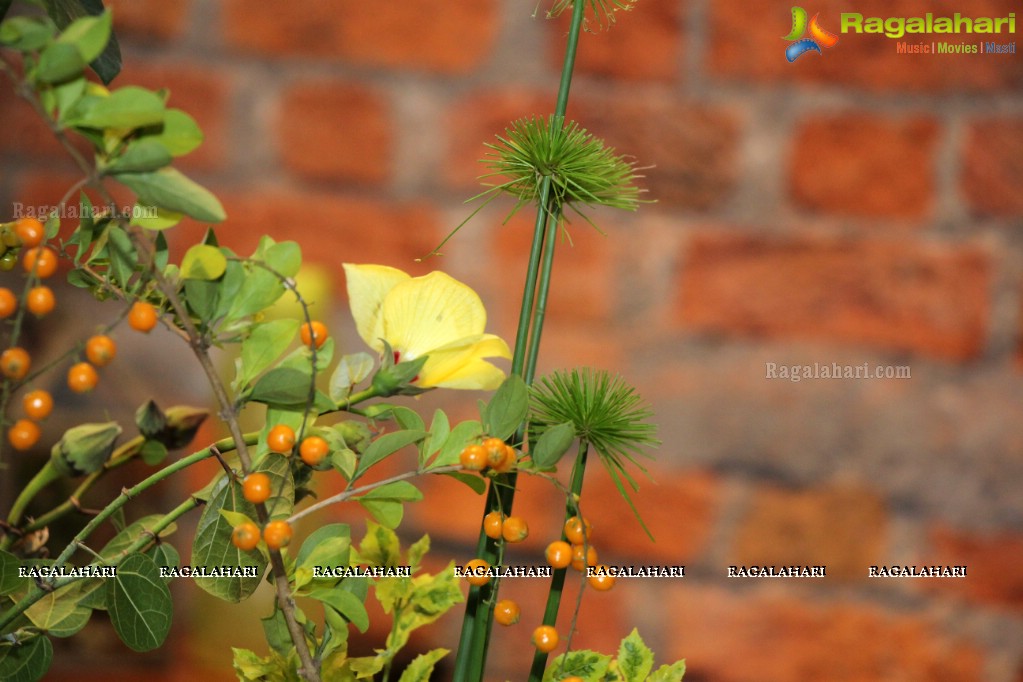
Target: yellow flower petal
[[368, 286], [422, 314], [461, 364]]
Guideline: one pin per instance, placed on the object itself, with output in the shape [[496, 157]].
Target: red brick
[[745, 45], [418, 35], [476, 120], [679, 509], [862, 165], [990, 560], [331, 130], [993, 167], [162, 20], [833, 526], [688, 152], [645, 43], [202, 92], [582, 282], [732, 637], [901, 295]]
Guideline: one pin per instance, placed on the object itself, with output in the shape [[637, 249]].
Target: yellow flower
[[435, 316]]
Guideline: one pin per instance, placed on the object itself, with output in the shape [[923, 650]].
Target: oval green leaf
[[27, 662], [170, 189], [139, 603], [203, 262]]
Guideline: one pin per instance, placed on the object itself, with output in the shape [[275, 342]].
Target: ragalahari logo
[[819, 37]]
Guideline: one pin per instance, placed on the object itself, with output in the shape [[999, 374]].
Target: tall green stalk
[[477, 622]]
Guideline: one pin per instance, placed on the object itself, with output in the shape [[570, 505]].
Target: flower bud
[[83, 449], [182, 424]]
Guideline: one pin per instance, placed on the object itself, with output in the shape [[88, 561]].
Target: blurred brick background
[[856, 206]]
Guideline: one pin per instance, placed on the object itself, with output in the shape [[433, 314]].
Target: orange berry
[[473, 458], [583, 557], [256, 487], [245, 536], [82, 377], [492, 524], [40, 259], [23, 434], [41, 301], [281, 439], [37, 404], [577, 531], [514, 529], [496, 451], [277, 534], [314, 331], [30, 231], [545, 638], [313, 450], [506, 612], [559, 554], [15, 363], [8, 303], [601, 580], [476, 572], [142, 317], [508, 463], [100, 350]]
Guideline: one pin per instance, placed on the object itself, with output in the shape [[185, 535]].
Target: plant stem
[[122, 499], [43, 478], [550, 614], [477, 623]]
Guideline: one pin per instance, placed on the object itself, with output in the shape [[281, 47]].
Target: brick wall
[[853, 207]]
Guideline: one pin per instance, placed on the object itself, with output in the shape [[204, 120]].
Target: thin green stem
[[43, 478], [127, 494], [476, 624], [550, 614]]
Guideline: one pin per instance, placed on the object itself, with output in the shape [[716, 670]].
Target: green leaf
[[153, 452], [59, 62], [204, 262], [384, 447], [477, 484], [507, 409], [265, 344], [59, 613], [133, 532], [180, 133], [26, 662], [203, 298], [281, 503], [257, 289], [283, 386], [440, 429], [139, 603], [635, 660], [139, 157], [588, 665], [551, 445], [284, 258], [26, 34], [345, 603], [9, 579], [170, 189], [213, 547], [128, 108], [669, 673], [379, 547], [65, 96], [328, 545], [421, 667], [385, 502], [275, 629], [89, 35], [154, 217], [164, 555], [350, 370], [464, 433], [408, 419]]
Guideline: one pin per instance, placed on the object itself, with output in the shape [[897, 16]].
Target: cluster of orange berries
[[15, 362], [313, 449], [578, 553], [245, 536], [492, 453]]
